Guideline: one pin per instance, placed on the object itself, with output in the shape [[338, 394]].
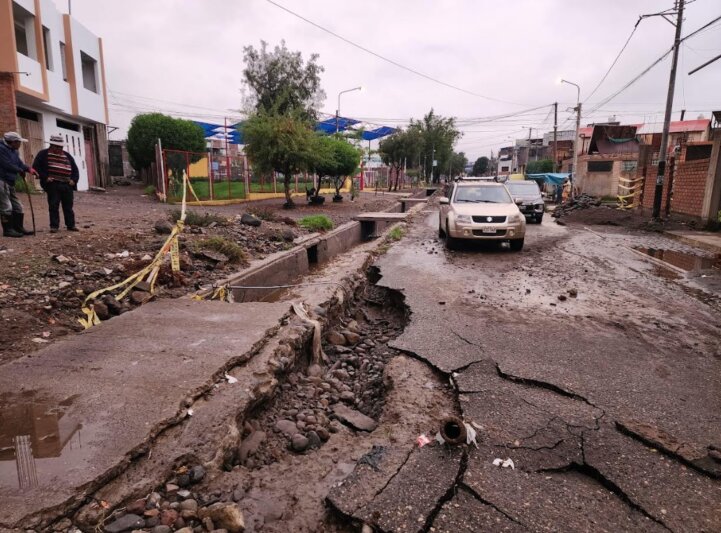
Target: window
[[600, 166], [629, 166], [504, 169], [89, 68], [63, 63], [698, 151], [27, 114], [654, 159], [66, 125], [24, 31], [46, 47], [21, 39]]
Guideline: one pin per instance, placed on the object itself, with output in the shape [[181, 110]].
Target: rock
[[354, 418], [286, 427], [139, 297], [161, 529], [143, 286], [185, 530], [315, 370], [323, 433], [63, 524], [225, 515], [101, 310], [168, 517], [125, 523], [250, 220], [250, 444], [314, 440], [189, 505], [197, 473], [347, 396], [335, 338], [164, 227], [64, 284], [562, 297], [208, 524], [183, 480], [136, 507], [184, 494], [214, 256], [352, 338], [288, 235], [299, 442], [61, 259], [573, 293]]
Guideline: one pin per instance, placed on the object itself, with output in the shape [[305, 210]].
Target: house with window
[[52, 81]]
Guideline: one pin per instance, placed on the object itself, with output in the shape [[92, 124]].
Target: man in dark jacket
[[11, 166], [58, 178]]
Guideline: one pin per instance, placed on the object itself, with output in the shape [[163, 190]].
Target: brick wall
[[8, 117], [689, 185]]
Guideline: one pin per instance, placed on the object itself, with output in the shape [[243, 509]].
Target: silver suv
[[480, 210]]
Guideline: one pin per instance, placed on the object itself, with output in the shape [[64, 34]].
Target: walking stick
[[30, 201]]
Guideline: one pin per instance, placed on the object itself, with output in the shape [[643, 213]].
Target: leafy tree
[[480, 167], [398, 150], [174, 134], [539, 167], [280, 81], [338, 160], [280, 143], [438, 135], [458, 164]]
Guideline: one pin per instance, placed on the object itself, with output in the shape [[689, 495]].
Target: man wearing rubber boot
[[59, 178], [11, 210]]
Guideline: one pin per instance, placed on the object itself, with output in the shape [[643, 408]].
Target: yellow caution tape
[[220, 293], [150, 272]]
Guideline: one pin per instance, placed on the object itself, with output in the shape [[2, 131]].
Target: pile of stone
[[176, 508], [582, 201]]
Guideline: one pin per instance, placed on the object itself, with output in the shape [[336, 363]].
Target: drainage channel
[[268, 454]]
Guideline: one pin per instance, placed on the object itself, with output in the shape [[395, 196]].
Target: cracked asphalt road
[[599, 375]]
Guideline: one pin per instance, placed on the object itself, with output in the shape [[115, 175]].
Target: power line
[[614, 63], [387, 60]]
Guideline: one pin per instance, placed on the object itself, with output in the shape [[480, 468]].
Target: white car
[[480, 210]]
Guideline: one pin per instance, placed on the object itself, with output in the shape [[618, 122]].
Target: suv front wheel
[[517, 245], [451, 242]]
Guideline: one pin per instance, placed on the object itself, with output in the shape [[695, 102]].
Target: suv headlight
[[538, 207], [464, 219], [515, 218]]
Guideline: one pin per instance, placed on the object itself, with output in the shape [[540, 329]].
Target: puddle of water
[[38, 441], [682, 260]]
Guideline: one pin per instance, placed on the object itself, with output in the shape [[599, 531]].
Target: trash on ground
[[230, 378], [504, 464], [422, 440], [470, 434]]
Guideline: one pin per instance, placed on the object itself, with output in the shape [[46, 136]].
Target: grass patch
[[23, 185], [316, 223], [193, 218], [228, 248], [396, 234], [149, 190], [263, 213]]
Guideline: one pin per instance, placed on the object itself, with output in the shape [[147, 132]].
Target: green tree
[[338, 160], [458, 164], [399, 150], [539, 167], [280, 143], [280, 81], [438, 135], [480, 167], [174, 134]]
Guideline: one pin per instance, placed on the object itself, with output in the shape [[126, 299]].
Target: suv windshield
[[481, 194], [523, 187]]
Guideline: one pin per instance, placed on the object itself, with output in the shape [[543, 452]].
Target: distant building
[[52, 81]]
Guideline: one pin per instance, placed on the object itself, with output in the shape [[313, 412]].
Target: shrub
[[228, 248], [396, 234], [25, 185], [193, 218], [149, 190], [262, 212], [316, 223]]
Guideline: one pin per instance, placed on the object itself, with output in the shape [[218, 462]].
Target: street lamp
[[578, 126], [337, 111]]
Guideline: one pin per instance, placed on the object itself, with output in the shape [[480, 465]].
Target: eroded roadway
[[598, 373]]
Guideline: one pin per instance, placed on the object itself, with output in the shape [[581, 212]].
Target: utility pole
[[658, 194], [575, 148], [433, 162], [528, 151], [555, 138]]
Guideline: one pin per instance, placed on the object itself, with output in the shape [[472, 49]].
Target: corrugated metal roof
[[676, 126]]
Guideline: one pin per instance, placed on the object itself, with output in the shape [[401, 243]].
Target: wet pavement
[[577, 358]]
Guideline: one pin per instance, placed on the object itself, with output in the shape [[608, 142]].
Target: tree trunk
[[286, 185]]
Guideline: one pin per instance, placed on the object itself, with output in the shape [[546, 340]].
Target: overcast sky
[[184, 57]]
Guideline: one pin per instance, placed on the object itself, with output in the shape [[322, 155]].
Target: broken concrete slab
[[353, 418], [466, 513], [409, 500], [115, 397], [679, 497], [551, 501]]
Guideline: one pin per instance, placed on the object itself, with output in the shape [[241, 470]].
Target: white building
[[52, 81]]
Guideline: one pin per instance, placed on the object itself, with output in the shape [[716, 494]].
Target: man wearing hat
[[58, 178], [11, 210]]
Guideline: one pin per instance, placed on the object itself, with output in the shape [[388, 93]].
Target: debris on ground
[[582, 201], [508, 463]]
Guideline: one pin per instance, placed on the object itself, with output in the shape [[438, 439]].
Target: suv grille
[[494, 220]]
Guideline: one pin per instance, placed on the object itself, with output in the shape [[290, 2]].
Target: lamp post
[[337, 111], [578, 126]]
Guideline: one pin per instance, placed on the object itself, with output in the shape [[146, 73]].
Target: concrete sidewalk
[[91, 402], [707, 240]]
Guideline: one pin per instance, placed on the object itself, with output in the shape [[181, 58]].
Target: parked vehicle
[[480, 210], [531, 201]]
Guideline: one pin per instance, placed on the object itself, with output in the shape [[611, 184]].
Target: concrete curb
[[710, 242]]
